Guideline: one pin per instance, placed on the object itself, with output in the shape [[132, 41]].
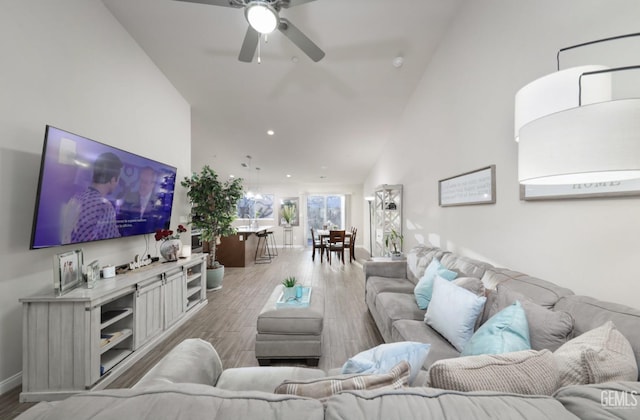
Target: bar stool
[[263, 238], [274, 247]]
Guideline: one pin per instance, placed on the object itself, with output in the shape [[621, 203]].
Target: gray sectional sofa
[[389, 295], [189, 383]]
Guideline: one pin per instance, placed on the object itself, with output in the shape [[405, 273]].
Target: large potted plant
[[213, 209]]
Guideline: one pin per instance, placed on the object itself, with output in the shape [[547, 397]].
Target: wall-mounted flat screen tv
[[89, 191]]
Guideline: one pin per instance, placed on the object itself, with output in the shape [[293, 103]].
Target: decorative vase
[[214, 278], [289, 293], [170, 249]]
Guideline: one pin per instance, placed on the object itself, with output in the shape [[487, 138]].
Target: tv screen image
[[89, 191]]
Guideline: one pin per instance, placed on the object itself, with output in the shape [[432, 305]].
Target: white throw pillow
[[385, 356], [453, 312]]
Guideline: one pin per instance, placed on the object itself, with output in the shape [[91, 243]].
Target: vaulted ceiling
[[330, 119]]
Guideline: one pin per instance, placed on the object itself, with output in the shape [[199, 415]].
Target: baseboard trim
[[10, 383]]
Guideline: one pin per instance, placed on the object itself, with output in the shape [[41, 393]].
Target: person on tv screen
[[90, 215], [139, 204]]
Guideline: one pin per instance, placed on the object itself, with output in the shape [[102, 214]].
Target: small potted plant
[[393, 243], [289, 292]]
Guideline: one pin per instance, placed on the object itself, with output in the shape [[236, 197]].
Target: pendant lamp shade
[[586, 144], [560, 91]]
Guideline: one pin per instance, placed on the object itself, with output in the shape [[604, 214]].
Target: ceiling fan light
[[262, 17]]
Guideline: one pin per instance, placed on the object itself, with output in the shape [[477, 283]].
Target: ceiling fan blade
[[249, 45], [291, 3], [301, 40], [224, 3]]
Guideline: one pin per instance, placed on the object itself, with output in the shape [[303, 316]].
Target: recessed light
[[232, 176], [271, 132], [398, 61], [288, 175]]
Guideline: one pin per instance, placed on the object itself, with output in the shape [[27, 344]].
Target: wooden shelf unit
[[64, 351]]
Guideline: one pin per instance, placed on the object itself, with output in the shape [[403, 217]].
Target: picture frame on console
[[67, 271]]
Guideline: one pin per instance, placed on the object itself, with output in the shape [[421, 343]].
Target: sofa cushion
[[418, 259], [382, 358], [377, 285], [183, 401], [505, 332], [396, 377], [526, 372], [428, 403], [411, 330], [453, 312], [600, 355], [547, 329], [539, 291], [611, 400], [589, 313], [424, 288], [467, 267], [264, 378], [391, 307]]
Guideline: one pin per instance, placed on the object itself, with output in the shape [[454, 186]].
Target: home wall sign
[[474, 187], [629, 187]]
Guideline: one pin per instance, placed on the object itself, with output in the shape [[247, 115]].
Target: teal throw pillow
[[382, 358], [424, 288], [505, 332], [453, 312]]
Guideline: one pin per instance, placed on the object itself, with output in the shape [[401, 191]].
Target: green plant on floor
[[213, 206], [289, 282]]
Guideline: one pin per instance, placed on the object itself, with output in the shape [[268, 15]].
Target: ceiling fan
[[263, 17]]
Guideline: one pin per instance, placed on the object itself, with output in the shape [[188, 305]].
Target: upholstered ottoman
[[290, 332]]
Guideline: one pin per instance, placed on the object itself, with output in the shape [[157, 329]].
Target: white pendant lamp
[[581, 145], [570, 130]]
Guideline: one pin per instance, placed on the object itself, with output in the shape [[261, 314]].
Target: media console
[[85, 339]]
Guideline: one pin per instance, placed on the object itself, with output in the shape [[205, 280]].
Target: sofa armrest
[[192, 361], [392, 269]]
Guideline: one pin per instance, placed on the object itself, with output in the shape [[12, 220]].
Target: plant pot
[[289, 293], [214, 278], [170, 249], [397, 256]]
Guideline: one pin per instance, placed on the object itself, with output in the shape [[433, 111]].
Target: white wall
[[461, 118], [70, 64]]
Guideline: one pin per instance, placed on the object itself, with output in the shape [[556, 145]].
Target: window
[[325, 208]]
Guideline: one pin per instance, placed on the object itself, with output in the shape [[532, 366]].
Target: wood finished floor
[[229, 320]]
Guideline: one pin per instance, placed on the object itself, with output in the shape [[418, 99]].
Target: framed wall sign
[[67, 271], [475, 187], [629, 187]]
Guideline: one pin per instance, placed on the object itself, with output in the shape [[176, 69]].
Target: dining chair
[[317, 244], [336, 244], [351, 244]]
